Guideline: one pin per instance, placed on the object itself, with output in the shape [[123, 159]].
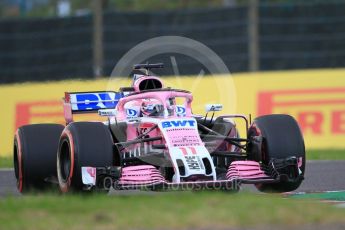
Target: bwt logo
[[94, 101], [183, 123], [318, 111]]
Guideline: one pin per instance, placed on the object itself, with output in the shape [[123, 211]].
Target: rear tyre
[[82, 144], [34, 155], [281, 138]]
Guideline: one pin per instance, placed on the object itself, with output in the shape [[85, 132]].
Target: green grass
[[332, 154], [6, 162], [182, 210]]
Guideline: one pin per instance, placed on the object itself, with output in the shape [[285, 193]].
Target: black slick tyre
[[82, 144], [34, 155], [281, 139]]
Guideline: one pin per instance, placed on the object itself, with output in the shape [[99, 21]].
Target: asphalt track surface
[[319, 176]]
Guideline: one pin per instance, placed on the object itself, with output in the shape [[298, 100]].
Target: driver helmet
[[151, 108]]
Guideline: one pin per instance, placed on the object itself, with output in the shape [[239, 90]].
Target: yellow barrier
[[315, 98]]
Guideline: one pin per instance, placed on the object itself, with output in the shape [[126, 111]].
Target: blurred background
[[63, 39], [286, 56]]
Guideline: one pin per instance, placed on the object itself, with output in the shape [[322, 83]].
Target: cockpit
[[149, 97], [157, 106], [159, 103]]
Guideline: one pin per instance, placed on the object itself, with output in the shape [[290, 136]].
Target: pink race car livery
[[152, 140]]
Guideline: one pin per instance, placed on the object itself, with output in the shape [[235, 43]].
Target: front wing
[[149, 177]]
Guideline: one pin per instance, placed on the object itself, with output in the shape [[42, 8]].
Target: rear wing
[[86, 102]]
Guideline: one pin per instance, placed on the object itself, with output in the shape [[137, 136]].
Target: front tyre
[[82, 144], [281, 139]]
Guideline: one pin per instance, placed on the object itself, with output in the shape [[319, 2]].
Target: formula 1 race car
[[152, 140]]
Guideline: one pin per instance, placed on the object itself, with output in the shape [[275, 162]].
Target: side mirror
[[107, 112], [213, 107]]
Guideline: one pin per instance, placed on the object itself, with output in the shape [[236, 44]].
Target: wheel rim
[[15, 161], [65, 160]]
